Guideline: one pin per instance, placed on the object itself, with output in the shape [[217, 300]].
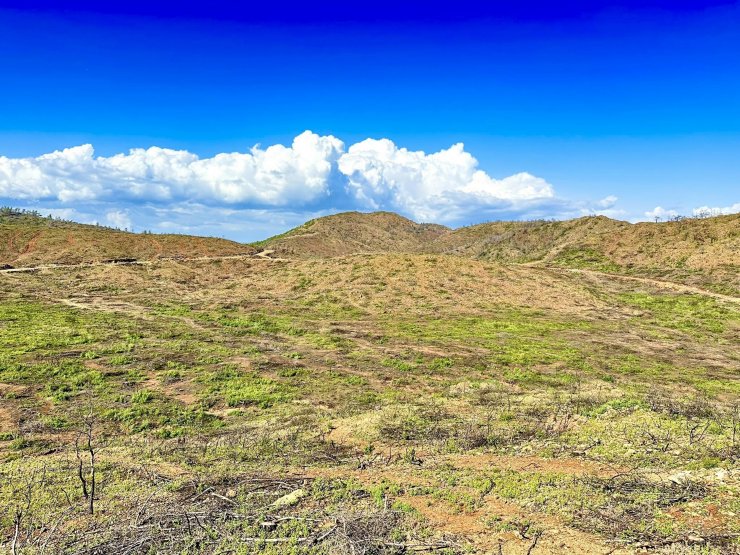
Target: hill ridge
[[28, 239], [698, 251]]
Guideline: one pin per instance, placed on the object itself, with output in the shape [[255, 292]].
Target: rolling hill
[[696, 251], [355, 232], [27, 239], [513, 387], [700, 243]]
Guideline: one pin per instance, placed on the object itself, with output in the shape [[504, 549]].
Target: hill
[[510, 394], [415, 399], [27, 239], [700, 243], [698, 251], [598, 241], [354, 232]]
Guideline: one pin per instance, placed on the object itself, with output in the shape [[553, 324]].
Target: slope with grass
[[29, 240], [353, 232], [335, 402], [698, 243], [692, 243], [697, 251], [366, 403], [704, 252]]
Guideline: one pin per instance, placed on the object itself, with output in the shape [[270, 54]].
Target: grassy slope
[[691, 243], [425, 399], [29, 240], [702, 252], [353, 232], [413, 398]]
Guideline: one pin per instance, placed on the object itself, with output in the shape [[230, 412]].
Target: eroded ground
[[366, 404]]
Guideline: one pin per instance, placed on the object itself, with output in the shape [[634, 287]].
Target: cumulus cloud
[[373, 174], [275, 176], [660, 213], [165, 189], [438, 186]]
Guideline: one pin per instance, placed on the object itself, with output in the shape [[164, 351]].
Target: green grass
[[29, 327], [584, 257], [694, 314], [211, 390], [512, 338], [239, 388]]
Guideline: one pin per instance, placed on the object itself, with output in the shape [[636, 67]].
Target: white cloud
[[660, 213], [607, 202], [275, 176], [162, 187], [119, 219], [717, 210], [430, 187]]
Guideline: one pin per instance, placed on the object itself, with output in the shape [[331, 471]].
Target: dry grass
[[30, 241], [418, 402]]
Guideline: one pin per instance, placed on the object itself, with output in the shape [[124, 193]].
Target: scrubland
[[366, 403]]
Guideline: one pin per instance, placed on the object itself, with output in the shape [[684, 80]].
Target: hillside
[[698, 251], [354, 232], [695, 243], [691, 243], [27, 240], [428, 400]]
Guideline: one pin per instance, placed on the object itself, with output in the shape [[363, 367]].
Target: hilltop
[[701, 243], [27, 239], [691, 245], [703, 252], [699, 251], [355, 232]]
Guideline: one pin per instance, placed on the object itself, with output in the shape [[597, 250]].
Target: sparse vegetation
[[369, 403]]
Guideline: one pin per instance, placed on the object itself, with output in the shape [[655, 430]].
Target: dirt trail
[[98, 303], [258, 256], [680, 287], [665, 284]]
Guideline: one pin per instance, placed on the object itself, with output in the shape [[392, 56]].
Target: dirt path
[[98, 303], [679, 287], [672, 285], [257, 256]]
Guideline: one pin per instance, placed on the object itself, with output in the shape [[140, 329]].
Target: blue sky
[[564, 109]]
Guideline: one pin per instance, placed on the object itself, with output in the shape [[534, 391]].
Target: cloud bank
[[275, 176], [717, 210], [249, 195], [314, 170]]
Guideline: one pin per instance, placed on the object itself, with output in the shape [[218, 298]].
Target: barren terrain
[[372, 400]]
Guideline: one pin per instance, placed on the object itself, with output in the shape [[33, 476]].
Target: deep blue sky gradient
[[635, 99]]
